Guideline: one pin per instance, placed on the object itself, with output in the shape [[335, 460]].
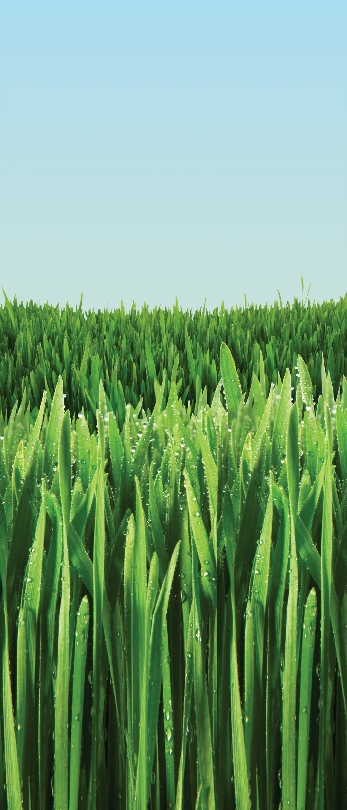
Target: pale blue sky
[[186, 149]]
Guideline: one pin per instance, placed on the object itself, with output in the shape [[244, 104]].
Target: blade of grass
[[61, 717], [80, 655], [309, 628], [326, 570], [290, 664]]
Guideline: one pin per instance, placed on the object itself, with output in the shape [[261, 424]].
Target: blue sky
[[190, 149]]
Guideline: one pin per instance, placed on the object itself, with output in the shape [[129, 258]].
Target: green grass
[[173, 601]]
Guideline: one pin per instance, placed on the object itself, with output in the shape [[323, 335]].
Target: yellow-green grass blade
[[168, 721], [185, 573], [242, 787], [261, 432], [127, 471], [341, 429], [307, 550], [128, 612], [142, 448], [3, 799], [247, 536], [150, 363], [224, 784], [212, 486], [249, 690], [293, 460], [80, 516], [61, 742], [29, 453], [27, 693], [138, 616], [326, 578], [80, 655], [279, 435], [188, 690], [21, 701], [157, 532], [13, 787], [259, 606], [22, 536], [211, 475], [61, 717], [83, 564], [290, 663], [49, 598], [231, 384], [116, 451], [306, 384], [206, 554], [98, 597], [203, 720], [308, 639], [309, 506], [14, 797], [277, 584], [150, 602], [155, 676], [52, 439]]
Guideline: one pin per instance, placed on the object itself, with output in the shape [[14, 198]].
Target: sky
[[154, 150]]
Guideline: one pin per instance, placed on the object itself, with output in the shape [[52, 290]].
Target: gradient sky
[[150, 150]]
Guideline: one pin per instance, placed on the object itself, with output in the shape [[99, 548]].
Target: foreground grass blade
[[27, 691], [81, 639], [203, 720], [232, 388], [290, 667], [14, 796], [309, 628], [242, 788], [326, 558], [61, 737], [189, 669], [98, 597], [154, 681], [150, 602]]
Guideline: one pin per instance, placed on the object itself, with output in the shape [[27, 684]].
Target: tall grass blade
[[290, 663]]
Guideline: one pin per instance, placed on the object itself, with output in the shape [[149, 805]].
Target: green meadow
[[173, 559]]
